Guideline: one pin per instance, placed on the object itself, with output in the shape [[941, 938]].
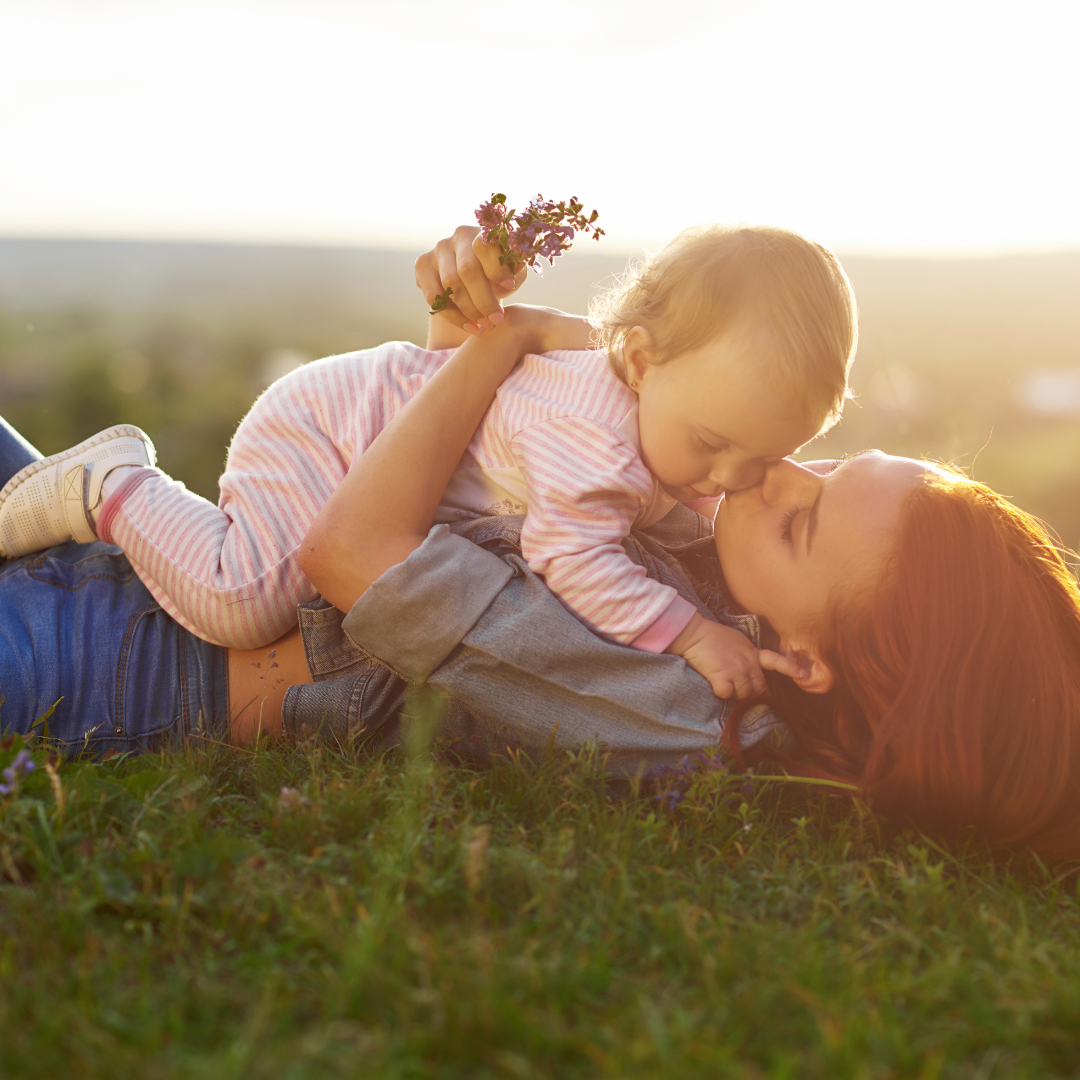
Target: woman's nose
[[787, 479]]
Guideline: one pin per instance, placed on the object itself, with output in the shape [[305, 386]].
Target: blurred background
[[196, 197]]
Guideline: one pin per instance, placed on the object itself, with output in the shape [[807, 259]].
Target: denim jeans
[[81, 635]]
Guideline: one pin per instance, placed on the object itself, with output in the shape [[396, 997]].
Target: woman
[[937, 626]]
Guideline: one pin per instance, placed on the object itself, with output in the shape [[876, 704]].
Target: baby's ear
[[638, 354], [820, 679]]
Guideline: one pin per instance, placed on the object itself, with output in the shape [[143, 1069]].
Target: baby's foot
[[51, 501]]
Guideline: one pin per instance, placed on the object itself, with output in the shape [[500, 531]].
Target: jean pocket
[[150, 682], [102, 562]]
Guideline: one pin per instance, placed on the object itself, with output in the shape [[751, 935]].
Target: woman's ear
[[820, 678], [638, 355]]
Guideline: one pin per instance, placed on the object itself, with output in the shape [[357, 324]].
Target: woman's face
[[789, 543]]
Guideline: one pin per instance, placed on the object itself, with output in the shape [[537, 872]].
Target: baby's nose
[[734, 476]]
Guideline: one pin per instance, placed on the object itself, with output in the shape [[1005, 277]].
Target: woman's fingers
[[503, 283], [477, 299], [448, 268], [430, 284], [477, 281], [436, 271]]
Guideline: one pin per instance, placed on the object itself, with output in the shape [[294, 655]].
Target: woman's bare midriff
[[258, 681]]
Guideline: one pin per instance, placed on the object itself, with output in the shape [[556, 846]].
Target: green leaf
[[43, 719], [441, 302]]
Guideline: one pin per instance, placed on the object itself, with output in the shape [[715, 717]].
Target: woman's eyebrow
[[812, 519]]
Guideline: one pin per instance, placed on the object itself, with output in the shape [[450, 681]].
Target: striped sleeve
[[586, 485]]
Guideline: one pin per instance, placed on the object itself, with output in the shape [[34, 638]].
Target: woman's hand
[[468, 266]]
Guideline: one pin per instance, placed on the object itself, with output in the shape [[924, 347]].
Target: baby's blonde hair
[[711, 277]]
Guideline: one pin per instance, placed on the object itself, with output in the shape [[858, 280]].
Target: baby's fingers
[[749, 683], [784, 665], [722, 687]]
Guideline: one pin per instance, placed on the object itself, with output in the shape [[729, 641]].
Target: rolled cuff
[[416, 613], [657, 636], [116, 500]]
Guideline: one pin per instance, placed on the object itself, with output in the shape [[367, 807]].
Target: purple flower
[[542, 207], [492, 217], [556, 242], [21, 766], [670, 799], [544, 230]]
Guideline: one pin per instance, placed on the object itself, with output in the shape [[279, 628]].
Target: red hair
[[957, 696]]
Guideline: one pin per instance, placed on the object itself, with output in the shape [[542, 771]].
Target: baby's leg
[[229, 573]]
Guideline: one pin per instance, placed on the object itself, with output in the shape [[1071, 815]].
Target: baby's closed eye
[[712, 447]]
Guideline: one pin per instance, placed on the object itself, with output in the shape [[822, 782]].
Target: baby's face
[[712, 419]]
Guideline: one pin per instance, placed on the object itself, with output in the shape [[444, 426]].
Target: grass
[[180, 915]]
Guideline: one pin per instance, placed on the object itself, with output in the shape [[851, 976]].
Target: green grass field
[[181, 915]]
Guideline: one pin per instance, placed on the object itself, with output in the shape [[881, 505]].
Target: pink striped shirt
[[559, 443]]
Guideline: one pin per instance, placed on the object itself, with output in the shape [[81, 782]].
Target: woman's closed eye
[[785, 525]]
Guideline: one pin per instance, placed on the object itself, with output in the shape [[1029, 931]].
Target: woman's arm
[[383, 509]]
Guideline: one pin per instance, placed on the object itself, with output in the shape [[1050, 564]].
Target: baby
[[728, 350]]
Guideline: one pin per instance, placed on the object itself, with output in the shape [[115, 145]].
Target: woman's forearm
[[383, 508], [443, 334]]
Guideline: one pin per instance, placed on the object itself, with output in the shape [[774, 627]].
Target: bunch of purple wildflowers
[[19, 768], [543, 230]]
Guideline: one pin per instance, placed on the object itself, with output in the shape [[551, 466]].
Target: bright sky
[[937, 126]]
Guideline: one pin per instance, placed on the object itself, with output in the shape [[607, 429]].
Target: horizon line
[[861, 251]]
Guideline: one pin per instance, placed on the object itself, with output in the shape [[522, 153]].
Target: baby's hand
[[547, 329], [728, 659]]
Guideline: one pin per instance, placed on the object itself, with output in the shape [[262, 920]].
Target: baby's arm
[[585, 487], [728, 660]]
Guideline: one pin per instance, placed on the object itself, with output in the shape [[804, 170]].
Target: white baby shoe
[[49, 502]]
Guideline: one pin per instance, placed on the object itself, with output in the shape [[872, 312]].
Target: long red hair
[[957, 696]]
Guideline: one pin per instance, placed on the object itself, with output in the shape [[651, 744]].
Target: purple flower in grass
[[20, 767]]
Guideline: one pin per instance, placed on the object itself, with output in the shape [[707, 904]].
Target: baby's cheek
[[657, 451]]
